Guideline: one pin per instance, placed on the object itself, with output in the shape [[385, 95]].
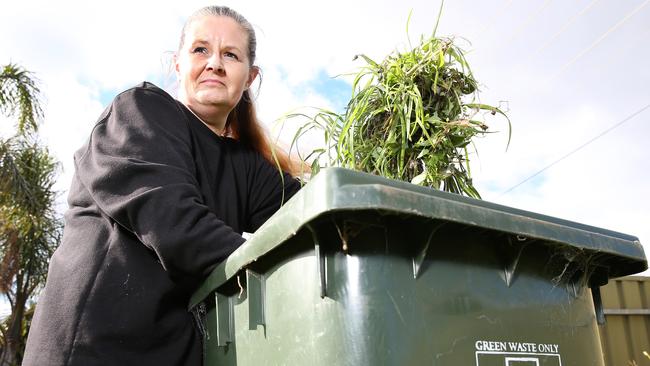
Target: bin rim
[[339, 189]]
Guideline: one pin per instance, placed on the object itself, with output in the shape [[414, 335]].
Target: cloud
[[71, 111]]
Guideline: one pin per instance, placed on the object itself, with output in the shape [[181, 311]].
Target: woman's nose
[[215, 63]]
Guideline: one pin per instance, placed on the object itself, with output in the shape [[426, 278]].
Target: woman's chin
[[214, 99]]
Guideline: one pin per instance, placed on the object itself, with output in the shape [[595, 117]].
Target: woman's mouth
[[214, 82]]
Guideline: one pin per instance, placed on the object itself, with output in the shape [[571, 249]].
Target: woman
[[161, 193]]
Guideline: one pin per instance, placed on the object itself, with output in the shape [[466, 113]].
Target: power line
[[564, 27], [620, 55], [601, 38], [496, 16], [579, 148], [529, 20]]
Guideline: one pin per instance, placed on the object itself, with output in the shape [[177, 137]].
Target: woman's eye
[[231, 55], [199, 50]]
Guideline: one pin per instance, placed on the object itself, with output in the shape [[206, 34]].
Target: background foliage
[[30, 229]]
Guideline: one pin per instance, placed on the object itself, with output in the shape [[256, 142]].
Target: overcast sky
[[565, 71]]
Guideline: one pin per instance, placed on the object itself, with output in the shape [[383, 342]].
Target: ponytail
[[242, 124]]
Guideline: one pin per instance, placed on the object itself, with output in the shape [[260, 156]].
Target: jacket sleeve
[[139, 169]]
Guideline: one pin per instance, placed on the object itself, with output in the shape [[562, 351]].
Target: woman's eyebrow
[[200, 41], [231, 47], [226, 46]]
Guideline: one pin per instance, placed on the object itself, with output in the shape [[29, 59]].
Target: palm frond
[[19, 97]]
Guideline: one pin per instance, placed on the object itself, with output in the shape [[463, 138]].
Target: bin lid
[[338, 189]]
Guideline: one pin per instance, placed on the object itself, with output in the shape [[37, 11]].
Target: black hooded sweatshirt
[[157, 200]]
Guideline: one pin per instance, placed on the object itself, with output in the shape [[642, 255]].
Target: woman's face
[[213, 66]]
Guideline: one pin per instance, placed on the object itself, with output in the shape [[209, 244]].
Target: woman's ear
[[252, 74], [176, 67]]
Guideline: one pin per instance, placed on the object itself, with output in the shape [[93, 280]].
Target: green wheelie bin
[[358, 270]]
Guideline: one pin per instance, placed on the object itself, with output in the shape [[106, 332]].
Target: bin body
[[363, 271]]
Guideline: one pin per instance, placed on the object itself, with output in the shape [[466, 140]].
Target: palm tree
[[29, 227], [19, 97]]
